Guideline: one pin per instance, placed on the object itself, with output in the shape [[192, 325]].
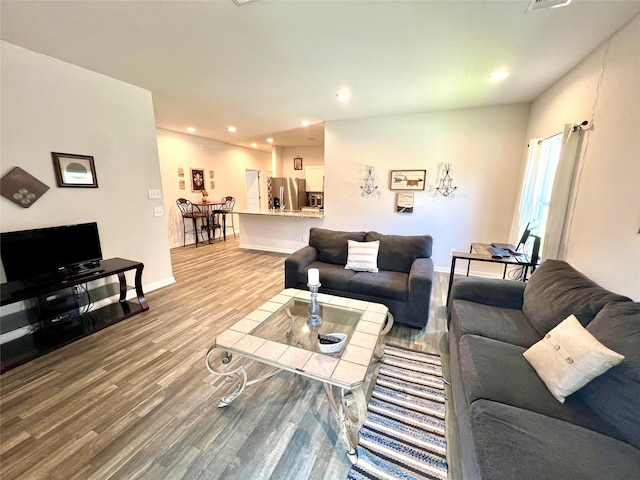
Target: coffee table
[[277, 334]]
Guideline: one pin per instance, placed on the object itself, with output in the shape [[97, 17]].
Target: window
[[538, 184]]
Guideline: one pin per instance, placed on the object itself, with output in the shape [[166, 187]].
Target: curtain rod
[[575, 127], [547, 138]]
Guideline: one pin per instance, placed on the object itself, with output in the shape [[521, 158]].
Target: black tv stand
[[52, 326]]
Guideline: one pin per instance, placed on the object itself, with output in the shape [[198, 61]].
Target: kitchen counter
[[306, 213], [277, 231]]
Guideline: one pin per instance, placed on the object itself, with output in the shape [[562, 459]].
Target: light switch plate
[[155, 194], [158, 211]]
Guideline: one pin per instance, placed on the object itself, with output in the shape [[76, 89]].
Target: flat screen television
[[45, 254]]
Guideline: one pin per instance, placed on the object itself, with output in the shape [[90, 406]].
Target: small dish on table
[[331, 342]]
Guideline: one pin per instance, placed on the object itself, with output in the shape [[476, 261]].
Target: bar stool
[[188, 212], [229, 203]]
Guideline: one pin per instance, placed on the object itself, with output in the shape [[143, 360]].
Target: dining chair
[[190, 214]]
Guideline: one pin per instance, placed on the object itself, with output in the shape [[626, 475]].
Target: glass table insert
[[277, 334]]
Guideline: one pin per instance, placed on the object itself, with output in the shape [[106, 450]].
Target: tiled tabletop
[[346, 369]]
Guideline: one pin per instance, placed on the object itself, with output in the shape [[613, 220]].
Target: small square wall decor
[[404, 202], [21, 187]]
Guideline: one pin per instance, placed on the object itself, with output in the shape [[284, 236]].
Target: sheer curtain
[[547, 192], [562, 195], [526, 206]]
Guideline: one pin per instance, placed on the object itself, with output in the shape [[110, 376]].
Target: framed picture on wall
[[408, 179], [297, 163], [74, 170], [404, 202], [197, 179]]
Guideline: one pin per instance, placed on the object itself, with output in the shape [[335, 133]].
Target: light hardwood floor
[[136, 401]]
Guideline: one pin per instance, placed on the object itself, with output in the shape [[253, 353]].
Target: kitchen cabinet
[[315, 178]]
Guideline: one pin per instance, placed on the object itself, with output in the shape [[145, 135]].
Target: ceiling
[[265, 66]]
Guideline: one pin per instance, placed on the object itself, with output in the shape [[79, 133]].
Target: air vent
[[544, 4]]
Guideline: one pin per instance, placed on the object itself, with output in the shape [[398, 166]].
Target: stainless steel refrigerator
[[289, 192]]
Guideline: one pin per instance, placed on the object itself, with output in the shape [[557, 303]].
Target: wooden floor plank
[[136, 401]]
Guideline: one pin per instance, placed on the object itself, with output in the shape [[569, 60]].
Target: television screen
[[44, 253]]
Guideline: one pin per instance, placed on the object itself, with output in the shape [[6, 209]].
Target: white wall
[[486, 147], [52, 106], [604, 242], [228, 162], [310, 156]]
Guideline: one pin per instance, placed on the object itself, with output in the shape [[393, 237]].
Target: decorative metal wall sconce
[[369, 187], [446, 187]]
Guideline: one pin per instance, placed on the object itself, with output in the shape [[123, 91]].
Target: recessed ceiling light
[[343, 95], [498, 76], [304, 123], [232, 129], [270, 140], [191, 129], [254, 145]]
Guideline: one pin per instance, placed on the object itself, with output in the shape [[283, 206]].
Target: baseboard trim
[[262, 248], [159, 284]]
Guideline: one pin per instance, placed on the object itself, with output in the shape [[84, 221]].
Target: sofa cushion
[[497, 371], [615, 395], [504, 324], [384, 284], [569, 357], [362, 256], [332, 244], [557, 290], [332, 276], [512, 443], [397, 252]]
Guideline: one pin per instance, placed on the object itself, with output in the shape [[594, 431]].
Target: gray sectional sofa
[[510, 425], [403, 282]]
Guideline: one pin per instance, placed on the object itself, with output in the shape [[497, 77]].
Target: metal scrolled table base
[[349, 407], [388, 325], [239, 375], [350, 411]]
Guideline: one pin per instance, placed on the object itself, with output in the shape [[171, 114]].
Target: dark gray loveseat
[[511, 427], [403, 283]]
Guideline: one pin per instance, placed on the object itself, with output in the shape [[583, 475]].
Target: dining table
[[211, 207]]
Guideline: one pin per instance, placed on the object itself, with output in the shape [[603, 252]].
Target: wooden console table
[[479, 252], [68, 318]]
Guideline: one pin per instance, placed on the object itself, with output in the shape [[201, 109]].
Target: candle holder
[[314, 319]]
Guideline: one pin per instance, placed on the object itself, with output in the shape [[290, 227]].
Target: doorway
[[252, 178]]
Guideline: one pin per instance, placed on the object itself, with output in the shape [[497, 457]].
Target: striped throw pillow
[[363, 256]]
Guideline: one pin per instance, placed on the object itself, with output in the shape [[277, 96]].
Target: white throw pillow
[[569, 357], [363, 256]]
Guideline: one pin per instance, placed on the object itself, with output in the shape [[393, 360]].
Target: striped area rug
[[403, 436]]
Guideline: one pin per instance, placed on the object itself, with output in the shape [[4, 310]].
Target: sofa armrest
[[489, 291], [421, 280], [296, 262]]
